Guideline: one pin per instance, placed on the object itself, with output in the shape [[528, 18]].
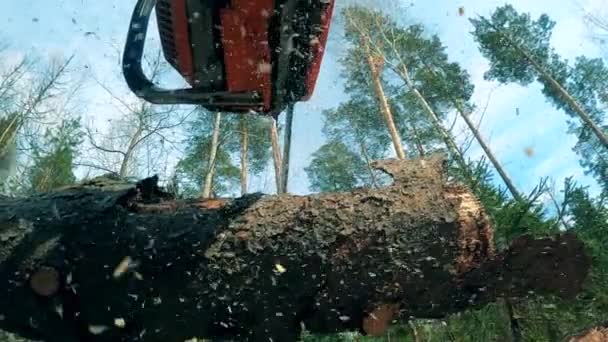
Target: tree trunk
[[244, 153], [208, 186], [571, 101], [480, 139], [276, 154], [419, 146], [385, 109], [497, 165], [286, 149], [368, 163], [124, 165], [112, 261], [257, 268], [545, 75], [447, 138], [364, 152]]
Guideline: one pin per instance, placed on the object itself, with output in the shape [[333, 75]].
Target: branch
[[103, 149], [92, 166]]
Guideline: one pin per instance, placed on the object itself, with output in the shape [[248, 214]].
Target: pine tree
[[255, 146], [364, 67], [53, 157], [232, 158], [198, 166], [357, 125], [519, 51], [334, 167], [587, 81]]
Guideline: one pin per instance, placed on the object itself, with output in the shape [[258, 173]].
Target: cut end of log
[[379, 320], [531, 263], [45, 281], [595, 334], [476, 235]]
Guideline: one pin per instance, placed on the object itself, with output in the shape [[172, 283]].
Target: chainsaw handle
[[144, 88], [134, 51]]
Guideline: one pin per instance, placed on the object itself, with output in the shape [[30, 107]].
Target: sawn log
[[113, 261]]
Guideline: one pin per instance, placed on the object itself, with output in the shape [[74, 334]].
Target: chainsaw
[[236, 56]]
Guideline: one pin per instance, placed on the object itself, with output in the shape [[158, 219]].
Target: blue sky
[[59, 28]]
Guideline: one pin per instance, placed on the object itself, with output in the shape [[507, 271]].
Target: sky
[[516, 118]]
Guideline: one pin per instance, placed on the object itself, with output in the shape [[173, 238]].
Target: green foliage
[[508, 36], [586, 82], [53, 157], [358, 124], [191, 170], [507, 63], [259, 151], [335, 168]]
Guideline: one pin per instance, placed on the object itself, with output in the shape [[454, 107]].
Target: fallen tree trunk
[[598, 333], [108, 261]]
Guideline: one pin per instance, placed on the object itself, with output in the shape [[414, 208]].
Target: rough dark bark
[[108, 261]]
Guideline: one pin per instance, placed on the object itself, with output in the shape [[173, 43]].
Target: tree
[[286, 149], [334, 168], [28, 106], [519, 51], [587, 80], [208, 160], [53, 157], [218, 156], [445, 84], [215, 136], [8, 153], [382, 37], [357, 125], [244, 153], [597, 22], [255, 147], [359, 31], [120, 149], [429, 93]]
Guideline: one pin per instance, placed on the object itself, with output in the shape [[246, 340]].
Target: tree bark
[[480, 139], [124, 165], [244, 153], [488, 151], [368, 163], [286, 149], [545, 75], [385, 109], [208, 186], [419, 146], [112, 261], [447, 138], [276, 154]]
